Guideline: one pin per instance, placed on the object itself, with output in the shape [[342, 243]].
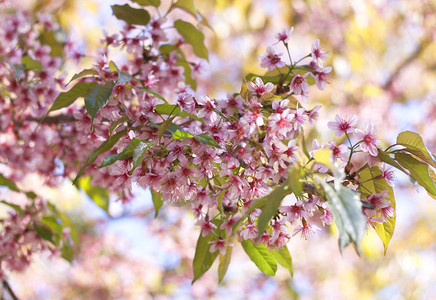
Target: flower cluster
[[216, 156], [19, 240]]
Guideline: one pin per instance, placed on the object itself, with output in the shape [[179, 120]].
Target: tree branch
[[56, 119], [423, 44], [9, 290]]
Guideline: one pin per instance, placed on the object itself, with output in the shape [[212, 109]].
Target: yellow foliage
[[323, 156]]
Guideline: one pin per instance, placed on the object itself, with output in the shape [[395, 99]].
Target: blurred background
[[384, 70]]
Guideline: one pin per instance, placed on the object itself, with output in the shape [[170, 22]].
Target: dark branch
[[59, 119], [9, 290]]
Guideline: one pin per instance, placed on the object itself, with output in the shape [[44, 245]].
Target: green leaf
[[98, 195], [168, 109], [44, 232], [188, 6], [53, 223], [265, 79], [48, 37], [418, 171], [83, 73], [372, 183], [283, 257], [293, 181], [123, 155], [164, 126], [203, 259], [139, 154], [117, 123], [123, 77], [189, 80], [65, 99], [97, 97], [187, 72], [224, 263], [148, 90], [192, 36], [105, 146], [272, 205], [31, 64], [131, 15], [9, 183], [157, 201], [303, 144], [13, 187], [206, 139], [220, 201], [386, 158], [155, 3], [414, 144], [31, 195], [180, 135], [67, 252], [261, 257], [17, 208], [258, 203], [347, 212], [172, 109]]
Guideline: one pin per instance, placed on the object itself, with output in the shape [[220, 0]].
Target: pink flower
[[321, 77], [259, 87], [306, 229], [387, 212], [283, 36], [388, 174], [379, 200], [228, 225], [326, 217], [281, 122], [207, 108], [220, 245], [271, 59], [281, 241], [299, 117], [299, 84], [206, 226], [368, 140], [280, 106], [343, 126], [317, 52], [338, 151], [313, 114], [185, 101], [249, 232]]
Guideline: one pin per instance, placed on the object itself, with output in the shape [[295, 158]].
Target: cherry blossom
[[317, 53], [259, 87], [368, 138], [219, 245], [283, 36], [299, 84], [271, 59], [343, 126]]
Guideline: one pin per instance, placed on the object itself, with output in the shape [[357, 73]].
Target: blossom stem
[[308, 55], [289, 54], [390, 147]]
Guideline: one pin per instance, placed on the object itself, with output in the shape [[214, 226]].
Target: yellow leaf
[[323, 156]]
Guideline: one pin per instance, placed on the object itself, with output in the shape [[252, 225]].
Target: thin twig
[[9, 290], [423, 44]]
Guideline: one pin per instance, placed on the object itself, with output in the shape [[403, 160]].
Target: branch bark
[[9, 290]]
